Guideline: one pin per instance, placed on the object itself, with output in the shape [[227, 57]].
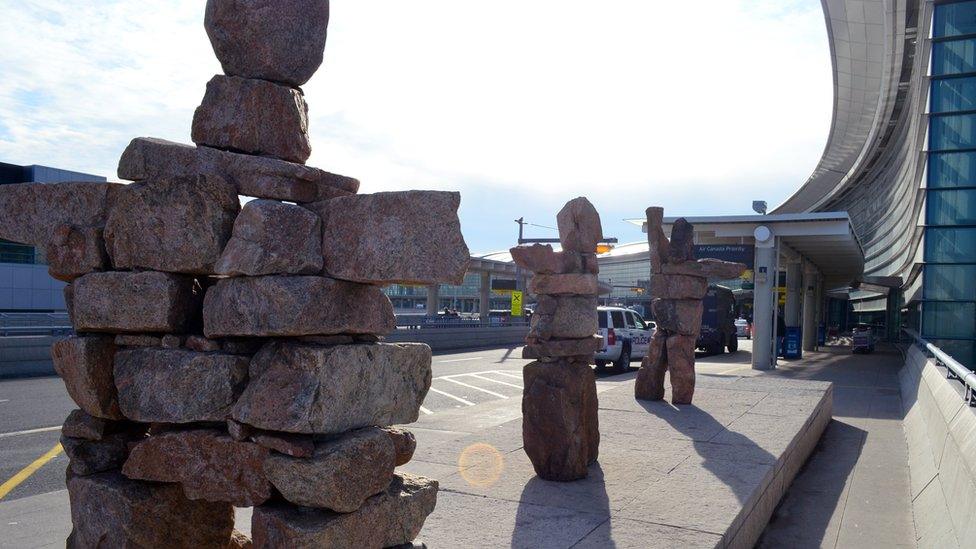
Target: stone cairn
[[678, 284], [560, 428], [230, 357]]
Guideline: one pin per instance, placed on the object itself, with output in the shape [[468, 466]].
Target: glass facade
[[948, 311]]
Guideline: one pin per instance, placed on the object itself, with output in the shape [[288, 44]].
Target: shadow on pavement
[[526, 534], [802, 518], [719, 459]]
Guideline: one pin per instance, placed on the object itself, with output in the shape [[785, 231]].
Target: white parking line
[[506, 374], [449, 395], [425, 410], [463, 384], [30, 431], [496, 381], [460, 359], [2, 400]]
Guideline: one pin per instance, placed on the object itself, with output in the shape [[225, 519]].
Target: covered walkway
[[854, 491]]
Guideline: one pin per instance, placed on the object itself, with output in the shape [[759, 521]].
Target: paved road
[[31, 410]]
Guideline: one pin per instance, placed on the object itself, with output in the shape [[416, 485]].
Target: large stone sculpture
[[559, 405], [228, 357], [678, 284]]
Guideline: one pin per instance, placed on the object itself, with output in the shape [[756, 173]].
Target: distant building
[[25, 285]]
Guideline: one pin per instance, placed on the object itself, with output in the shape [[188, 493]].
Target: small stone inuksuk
[[560, 427], [229, 357], [678, 284]]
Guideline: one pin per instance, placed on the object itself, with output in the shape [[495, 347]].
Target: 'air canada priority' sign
[[737, 253]]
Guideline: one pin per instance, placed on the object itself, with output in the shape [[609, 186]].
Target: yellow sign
[[516, 303]]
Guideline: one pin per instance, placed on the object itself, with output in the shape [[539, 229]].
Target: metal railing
[[20, 324], [955, 370], [426, 322]]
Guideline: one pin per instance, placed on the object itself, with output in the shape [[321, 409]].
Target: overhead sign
[[737, 253], [516, 303], [501, 284]]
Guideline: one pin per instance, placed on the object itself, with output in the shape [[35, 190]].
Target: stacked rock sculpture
[[678, 284], [560, 427], [230, 357]]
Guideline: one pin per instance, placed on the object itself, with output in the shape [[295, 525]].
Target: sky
[[521, 105]]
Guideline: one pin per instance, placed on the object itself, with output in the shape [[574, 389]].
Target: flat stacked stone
[[678, 284], [559, 404], [230, 356]]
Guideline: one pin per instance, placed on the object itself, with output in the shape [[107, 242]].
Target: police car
[[626, 337]]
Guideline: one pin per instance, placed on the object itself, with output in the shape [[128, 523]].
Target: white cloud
[[698, 106]]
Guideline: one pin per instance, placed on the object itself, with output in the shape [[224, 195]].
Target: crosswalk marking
[[449, 395], [496, 381], [476, 388]]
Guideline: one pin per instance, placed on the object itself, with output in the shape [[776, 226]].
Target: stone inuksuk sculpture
[[229, 357], [560, 427], [678, 284]]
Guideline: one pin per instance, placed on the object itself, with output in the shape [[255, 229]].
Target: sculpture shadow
[[723, 451], [548, 511]]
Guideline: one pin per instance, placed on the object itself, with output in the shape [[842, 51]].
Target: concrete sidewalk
[[854, 491], [707, 475]]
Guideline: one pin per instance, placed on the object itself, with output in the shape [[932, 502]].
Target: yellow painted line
[[26, 472]]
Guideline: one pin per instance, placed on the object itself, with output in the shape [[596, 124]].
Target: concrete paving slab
[[464, 520], [621, 532]]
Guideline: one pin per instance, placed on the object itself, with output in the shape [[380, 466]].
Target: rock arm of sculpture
[[678, 284], [229, 356], [559, 405]]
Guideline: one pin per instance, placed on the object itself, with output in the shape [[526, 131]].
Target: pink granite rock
[[560, 427], [650, 378], [340, 475], [202, 344], [178, 224], [85, 364], [32, 210], [134, 302], [136, 340], [75, 251], [658, 245], [177, 385], [255, 117], [404, 443], [299, 388], [409, 237], [682, 244], [564, 317], [541, 259], [87, 457], [277, 40], [294, 306], [681, 367], [289, 444], [271, 237], [678, 316], [565, 284], [672, 286], [257, 176], [562, 347], [708, 268], [392, 517], [80, 424], [207, 463], [579, 226], [109, 510]]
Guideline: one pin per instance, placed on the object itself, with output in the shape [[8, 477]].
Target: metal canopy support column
[[810, 278], [763, 300], [433, 299], [794, 286], [484, 304]]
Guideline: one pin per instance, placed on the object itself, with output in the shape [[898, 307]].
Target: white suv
[[626, 336]]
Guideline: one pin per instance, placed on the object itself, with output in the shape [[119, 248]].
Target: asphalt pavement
[[31, 410]]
